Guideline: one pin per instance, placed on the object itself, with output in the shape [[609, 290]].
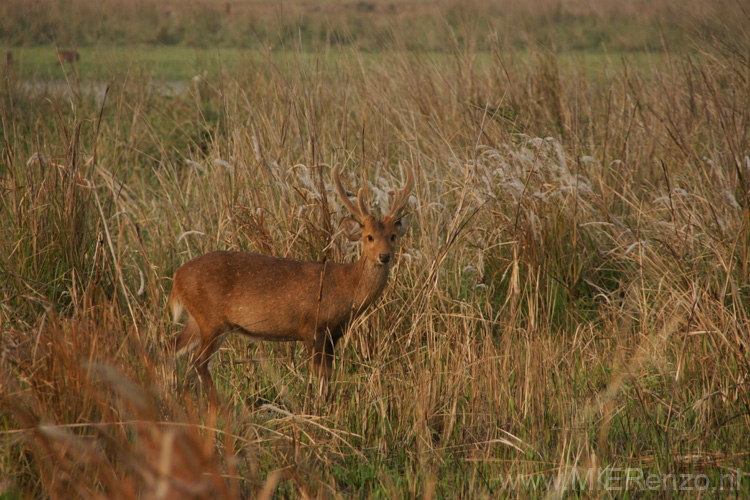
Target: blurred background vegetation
[[372, 25]]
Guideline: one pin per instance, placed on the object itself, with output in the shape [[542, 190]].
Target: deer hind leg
[[208, 346], [188, 339], [185, 341]]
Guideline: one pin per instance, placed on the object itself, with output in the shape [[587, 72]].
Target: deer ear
[[402, 225], [352, 229]]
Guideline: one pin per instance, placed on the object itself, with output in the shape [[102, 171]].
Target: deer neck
[[370, 279]]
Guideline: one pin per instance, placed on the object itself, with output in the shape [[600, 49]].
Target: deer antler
[[401, 197], [360, 213]]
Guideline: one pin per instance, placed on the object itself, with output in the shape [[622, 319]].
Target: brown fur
[[70, 56], [277, 299]]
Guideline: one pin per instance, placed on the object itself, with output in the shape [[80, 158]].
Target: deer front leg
[[322, 358], [322, 354]]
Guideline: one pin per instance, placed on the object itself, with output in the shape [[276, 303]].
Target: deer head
[[378, 237]]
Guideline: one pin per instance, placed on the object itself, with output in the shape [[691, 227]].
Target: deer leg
[[188, 337], [323, 348], [320, 366], [329, 348], [208, 347]]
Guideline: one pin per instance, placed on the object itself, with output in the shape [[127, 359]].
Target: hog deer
[[69, 56], [272, 298]]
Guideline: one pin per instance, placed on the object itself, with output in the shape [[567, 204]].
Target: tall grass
[[573, 291]]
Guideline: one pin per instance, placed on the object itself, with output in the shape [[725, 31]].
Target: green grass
[[109, 62], [179, 63]]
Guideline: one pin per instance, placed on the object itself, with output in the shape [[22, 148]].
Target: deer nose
[[385, 258]]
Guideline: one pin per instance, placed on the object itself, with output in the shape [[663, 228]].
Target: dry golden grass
[[573, 292]]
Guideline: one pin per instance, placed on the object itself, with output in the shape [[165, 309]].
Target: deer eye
[[393, 237], [369, 237]]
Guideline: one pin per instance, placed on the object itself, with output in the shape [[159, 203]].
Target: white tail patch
[[177, 308]]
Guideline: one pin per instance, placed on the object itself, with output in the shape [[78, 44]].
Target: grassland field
[[568, 315], [180, 64]]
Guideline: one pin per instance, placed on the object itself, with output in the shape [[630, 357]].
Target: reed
[[572, 294]]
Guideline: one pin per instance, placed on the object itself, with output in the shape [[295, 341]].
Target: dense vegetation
[[573, 293]]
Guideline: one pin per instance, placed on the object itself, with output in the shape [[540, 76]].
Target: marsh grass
[[573, 291]]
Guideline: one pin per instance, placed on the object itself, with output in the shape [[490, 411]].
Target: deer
[[283, 300], [71, 56]]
